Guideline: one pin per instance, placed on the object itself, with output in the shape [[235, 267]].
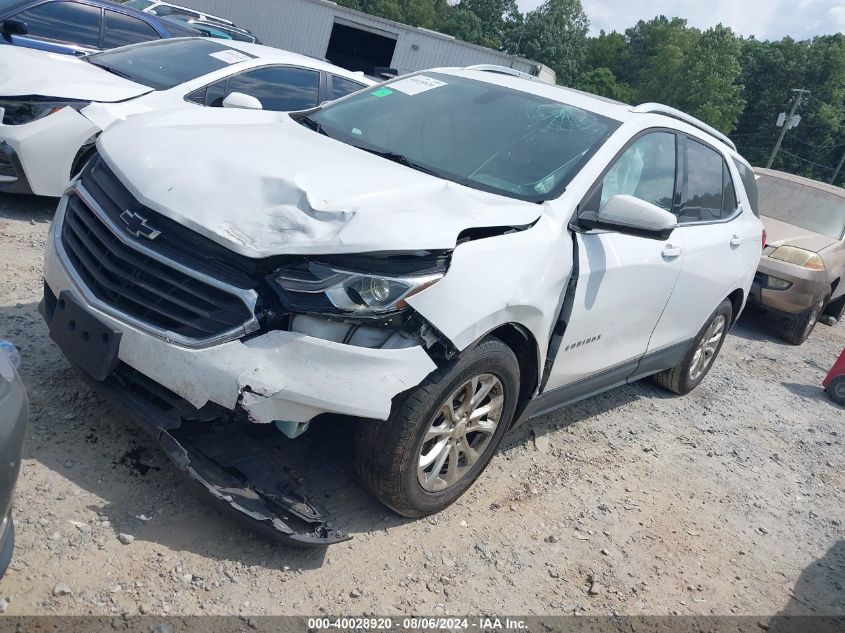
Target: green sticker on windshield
[[382, 92]]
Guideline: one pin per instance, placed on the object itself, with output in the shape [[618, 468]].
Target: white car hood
[[261, 184], [25, 71]]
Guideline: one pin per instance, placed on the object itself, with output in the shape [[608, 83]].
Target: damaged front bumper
[[212, 409], [250, 470]]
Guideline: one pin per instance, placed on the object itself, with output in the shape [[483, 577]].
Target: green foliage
[[602, 81], [555, 34]]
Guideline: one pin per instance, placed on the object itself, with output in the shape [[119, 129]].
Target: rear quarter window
[[750, 184]]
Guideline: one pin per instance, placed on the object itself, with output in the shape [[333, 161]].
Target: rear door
[[624, 281], [722, 243], [61, 27]]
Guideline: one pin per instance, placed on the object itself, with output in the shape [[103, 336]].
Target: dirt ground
[[728, 501]]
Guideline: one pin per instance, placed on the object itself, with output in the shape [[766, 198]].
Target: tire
[[835, 308], [686, 375], [388, 453], [797, 329], [836, 390]]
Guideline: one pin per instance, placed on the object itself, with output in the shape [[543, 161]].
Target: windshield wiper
[[401, 159], [310, 123], [112, 70]]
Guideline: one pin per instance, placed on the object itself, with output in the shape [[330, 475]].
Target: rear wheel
[[836, 390], [698, 360], [796, 330], [442, 436]]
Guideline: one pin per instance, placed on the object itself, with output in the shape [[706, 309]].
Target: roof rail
[[503, 70], [657, 108]]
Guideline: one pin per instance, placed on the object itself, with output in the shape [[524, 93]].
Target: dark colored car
[[14, 413], [78, 27]]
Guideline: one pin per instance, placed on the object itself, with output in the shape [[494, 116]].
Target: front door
[[624, 281]]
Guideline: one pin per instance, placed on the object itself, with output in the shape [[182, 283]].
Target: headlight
[[20, 111], [798, 256], [321, 288]]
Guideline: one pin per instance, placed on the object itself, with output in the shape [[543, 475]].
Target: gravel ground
[[727, 501]]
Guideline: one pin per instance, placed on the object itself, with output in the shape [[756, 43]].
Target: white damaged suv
[[437, 258]]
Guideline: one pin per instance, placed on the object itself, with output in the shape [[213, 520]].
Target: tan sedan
[[800, 277]]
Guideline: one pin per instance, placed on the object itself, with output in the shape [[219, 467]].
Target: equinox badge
[[137, 225]]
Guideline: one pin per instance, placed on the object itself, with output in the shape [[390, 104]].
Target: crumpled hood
[[784, 234], [261, 184], [26, 71]]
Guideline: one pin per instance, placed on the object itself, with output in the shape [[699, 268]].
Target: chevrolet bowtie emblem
[[137, 225]]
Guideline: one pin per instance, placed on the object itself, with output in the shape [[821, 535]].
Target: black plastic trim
[[627, 372], [21, 185]]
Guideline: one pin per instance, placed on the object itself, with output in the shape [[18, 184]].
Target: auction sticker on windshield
[[230, 56], [415, 85]]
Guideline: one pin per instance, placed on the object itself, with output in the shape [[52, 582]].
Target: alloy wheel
[[460, 432], [814, 316], [707, 346]]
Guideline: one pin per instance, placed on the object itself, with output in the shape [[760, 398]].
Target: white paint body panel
[[47, 146], [624, 284]]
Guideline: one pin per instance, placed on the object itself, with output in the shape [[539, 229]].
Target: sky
[[765, 19]]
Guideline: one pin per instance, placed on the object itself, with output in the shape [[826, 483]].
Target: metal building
[[355, 40]]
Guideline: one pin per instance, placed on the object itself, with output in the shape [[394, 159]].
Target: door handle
[[671, 252], [736, 240]]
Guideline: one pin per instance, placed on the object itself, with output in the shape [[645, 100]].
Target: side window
[[278, 88], [342, 87], [710, 192], [64, 22], [124, 29], [750, 184], [646, 170]]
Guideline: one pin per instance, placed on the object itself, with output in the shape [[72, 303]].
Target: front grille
[[133, 283], [176, 242]]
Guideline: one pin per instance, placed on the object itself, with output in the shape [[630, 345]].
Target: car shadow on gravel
[[757, 325], [585, 409], [817, 601], [20, 207], [813, 392]]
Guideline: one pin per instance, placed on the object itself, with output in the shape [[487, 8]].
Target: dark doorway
[[357, 49]]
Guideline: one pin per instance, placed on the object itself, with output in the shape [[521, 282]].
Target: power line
[[787, 123]]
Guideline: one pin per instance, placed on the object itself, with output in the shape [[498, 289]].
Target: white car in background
[[53, 107]]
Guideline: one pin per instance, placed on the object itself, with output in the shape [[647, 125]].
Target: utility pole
[[786, 125], [838, 167]]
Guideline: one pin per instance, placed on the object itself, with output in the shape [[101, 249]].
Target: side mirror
[[14, 27], [240, 100], [630, 215]]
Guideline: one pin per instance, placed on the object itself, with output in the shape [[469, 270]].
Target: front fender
[[512, 278]]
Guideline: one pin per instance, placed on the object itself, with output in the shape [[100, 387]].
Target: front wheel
[[698, 360], [797, 329], [443, 434]]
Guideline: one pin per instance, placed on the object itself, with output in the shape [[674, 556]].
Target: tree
[[601, 81], [555, 33], [490, 23], [710, 70]]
